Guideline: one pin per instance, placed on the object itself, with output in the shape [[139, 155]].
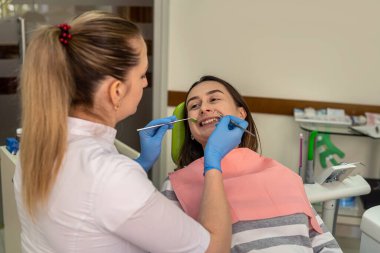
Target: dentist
[[74, 191]]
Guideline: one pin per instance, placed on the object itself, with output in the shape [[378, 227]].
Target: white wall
[[326, 50]]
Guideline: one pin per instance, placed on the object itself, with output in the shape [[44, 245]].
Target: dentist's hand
[[150, 142], [223, 139]]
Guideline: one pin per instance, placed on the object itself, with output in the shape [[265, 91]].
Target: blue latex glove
[[223, 139], [150, 142]]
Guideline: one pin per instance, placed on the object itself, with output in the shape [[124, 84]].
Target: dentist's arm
[[151, 140], [215, 212]]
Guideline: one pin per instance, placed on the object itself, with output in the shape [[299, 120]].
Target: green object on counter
[[309, 173], [327, 150], [310, 154]]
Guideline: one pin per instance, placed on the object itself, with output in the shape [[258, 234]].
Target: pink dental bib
[[257, 188]]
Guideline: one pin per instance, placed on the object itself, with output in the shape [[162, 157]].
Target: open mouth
[[209, 121]]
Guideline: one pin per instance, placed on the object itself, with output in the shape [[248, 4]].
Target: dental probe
[[237, 125], [245, 130], [163, 124]]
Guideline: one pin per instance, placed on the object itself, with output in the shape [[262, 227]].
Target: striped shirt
[[290, 233]]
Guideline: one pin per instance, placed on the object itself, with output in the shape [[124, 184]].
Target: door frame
[[160, 79]]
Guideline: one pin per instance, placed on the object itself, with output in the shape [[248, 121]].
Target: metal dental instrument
[[245, 130], [237, 125], [163, 124]]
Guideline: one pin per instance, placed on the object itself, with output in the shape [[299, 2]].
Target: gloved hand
[[223, 139], [150, 142]]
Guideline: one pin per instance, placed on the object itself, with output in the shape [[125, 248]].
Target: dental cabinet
[[12, 227], [330, 193]]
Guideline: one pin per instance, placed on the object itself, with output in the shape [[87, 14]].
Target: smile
[[209, 121]]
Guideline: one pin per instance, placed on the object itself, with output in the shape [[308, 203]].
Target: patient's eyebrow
[[208, 93]]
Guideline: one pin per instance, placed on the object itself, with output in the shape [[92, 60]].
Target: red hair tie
[[65, 35]]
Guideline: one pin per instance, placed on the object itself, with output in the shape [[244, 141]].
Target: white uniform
[[103, 202]]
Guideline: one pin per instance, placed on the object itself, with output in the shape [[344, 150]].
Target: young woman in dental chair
[[269, 208]]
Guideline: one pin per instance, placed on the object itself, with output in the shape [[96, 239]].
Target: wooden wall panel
[[285, 106]]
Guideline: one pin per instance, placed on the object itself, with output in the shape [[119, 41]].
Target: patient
[[269, 208]]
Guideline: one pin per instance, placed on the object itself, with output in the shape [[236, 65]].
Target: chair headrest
[[178, 132]]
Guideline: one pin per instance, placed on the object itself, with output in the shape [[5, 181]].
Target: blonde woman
[[74, 192]]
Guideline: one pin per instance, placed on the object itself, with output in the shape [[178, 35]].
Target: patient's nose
[[205, 109]]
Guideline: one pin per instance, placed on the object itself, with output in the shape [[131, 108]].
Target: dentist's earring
[[117, 107], [192, 137]]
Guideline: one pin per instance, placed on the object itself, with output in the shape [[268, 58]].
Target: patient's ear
[[242, 113]]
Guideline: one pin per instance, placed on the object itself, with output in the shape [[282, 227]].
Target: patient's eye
[[194, 106], [214, 99]]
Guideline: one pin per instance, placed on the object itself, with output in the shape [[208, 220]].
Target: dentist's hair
[[192, 150], [58, 75]]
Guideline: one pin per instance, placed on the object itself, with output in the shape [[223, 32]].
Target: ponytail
[[60, 73], [46, 93]]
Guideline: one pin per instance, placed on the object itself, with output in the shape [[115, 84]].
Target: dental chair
[[178, 132], [370, 227]]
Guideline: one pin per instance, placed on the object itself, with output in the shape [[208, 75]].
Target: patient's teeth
[[209, 121]]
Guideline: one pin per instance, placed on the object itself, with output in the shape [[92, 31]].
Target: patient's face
[[207, 102]]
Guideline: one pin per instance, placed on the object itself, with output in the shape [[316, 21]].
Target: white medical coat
[[103, 201]]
